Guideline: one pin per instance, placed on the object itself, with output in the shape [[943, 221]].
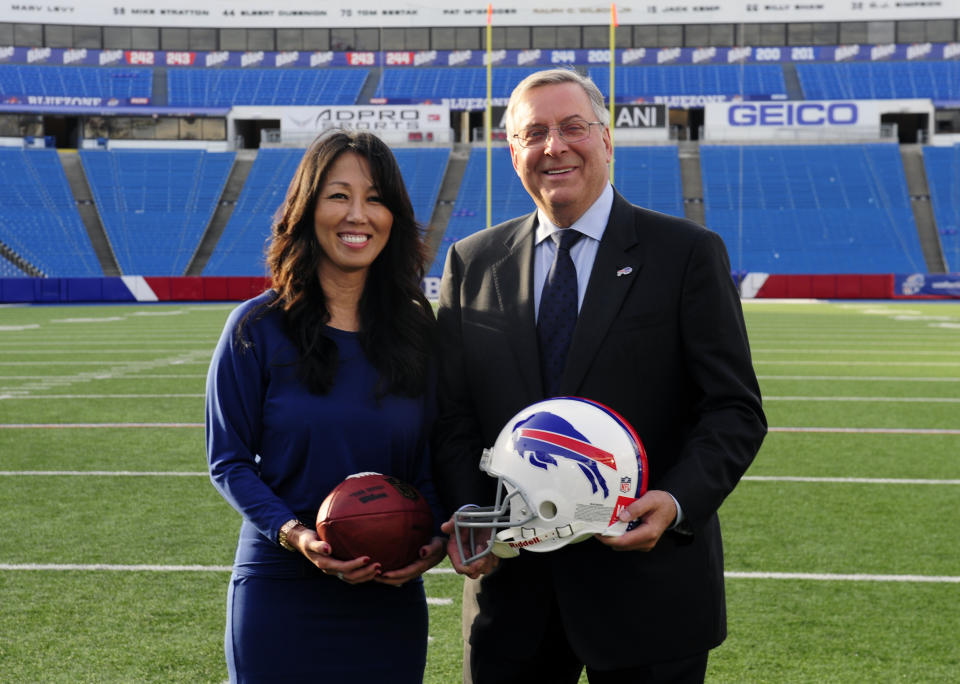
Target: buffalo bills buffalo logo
[[546, 437]]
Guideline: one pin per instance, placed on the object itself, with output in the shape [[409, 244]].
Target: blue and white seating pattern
[[75, 81], [230, 87], [38, 215], [943, 176], [809, 209], [156, 204]]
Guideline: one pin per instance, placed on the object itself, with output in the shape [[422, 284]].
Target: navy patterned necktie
[[558, 311]]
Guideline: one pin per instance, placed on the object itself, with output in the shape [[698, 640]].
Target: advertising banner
[[51, 101], [311, 120], [366, 13], [477, 58], [927, 285], [798, 120]]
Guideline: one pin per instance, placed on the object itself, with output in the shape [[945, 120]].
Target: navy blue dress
[[275, 451]]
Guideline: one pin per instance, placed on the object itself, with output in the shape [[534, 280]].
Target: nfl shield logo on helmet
[[625, 485]]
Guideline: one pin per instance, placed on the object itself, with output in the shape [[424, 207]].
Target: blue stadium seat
[[449, 82], [10, 270], [38, 215], [229, 87], [702, 79], [241, 248], [811, 208], [880, 80], [943, 174], [156, 204], [75, 81]]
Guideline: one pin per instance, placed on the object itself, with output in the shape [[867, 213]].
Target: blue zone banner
[[533, 58], [927, 285], [70, 101]]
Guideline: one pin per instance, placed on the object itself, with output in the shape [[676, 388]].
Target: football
[[380, 516]]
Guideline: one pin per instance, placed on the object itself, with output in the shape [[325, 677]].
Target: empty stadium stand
[[38, 217], [943, 175], [880, 80], [449, 82], [9, 270], [155, 204], [80, 81], [705, 79], [241, 248], [230, 87], [811, 208], [788, 209]]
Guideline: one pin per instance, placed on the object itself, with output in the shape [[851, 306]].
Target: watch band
[[284, 531]]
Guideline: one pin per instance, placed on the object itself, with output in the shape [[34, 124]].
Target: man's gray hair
[[555, 77]]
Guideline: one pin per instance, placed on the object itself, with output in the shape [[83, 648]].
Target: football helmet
[[566, 467]]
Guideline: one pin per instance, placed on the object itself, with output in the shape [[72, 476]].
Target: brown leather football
[[380, 516]]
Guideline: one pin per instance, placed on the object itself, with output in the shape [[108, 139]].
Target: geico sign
[[790, 114]]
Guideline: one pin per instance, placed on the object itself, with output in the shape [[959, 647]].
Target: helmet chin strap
[[508, 542]]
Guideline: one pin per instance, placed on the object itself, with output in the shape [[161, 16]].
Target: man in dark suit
[[660, 339]]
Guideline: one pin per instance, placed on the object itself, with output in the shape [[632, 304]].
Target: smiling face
[[351, 222], [563, 179]]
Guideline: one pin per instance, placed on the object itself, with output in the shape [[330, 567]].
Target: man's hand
[[479, 567], [656, 511]]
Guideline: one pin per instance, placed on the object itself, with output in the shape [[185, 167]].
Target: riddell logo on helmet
[[525, 542]]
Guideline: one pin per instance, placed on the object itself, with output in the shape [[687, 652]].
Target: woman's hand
[[430, 555], [318, 552]]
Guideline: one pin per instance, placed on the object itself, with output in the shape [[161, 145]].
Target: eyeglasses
[[571, 132]]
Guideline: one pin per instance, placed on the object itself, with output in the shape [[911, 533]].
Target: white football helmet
[[565, 468]]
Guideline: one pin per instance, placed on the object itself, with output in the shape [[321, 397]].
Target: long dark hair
[[396, 320]]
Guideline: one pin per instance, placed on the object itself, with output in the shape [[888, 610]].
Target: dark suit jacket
[[666, 347]]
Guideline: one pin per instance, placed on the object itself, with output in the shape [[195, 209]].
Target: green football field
[[842, 542]]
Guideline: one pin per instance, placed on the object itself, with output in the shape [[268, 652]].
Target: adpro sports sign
[[373, 118]]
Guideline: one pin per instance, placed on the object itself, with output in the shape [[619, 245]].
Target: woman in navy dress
[[325, 375]]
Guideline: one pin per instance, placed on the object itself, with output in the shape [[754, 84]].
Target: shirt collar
[[592, 223]]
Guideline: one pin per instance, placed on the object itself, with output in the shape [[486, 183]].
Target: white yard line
[[130, 350], [837, 430], [850, 378], [869, 430], [822, 577], [907, 400], [879, 362], [828, 577], [199, 473], [104, 473], [858, 352], [13, 395], [848, 480], [83, 426], [199, 362]]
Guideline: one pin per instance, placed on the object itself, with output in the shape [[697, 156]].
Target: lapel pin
[[626, 270]]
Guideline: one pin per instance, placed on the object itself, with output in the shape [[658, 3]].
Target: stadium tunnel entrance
[[248, 133], [911, 127], [65, 130]]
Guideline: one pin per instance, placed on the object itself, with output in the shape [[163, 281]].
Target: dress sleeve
[[236, 386], [422, 470]]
